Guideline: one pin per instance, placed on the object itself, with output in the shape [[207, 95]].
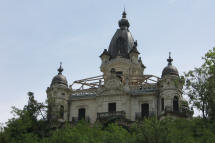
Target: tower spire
[[124, 13], [123, 23]]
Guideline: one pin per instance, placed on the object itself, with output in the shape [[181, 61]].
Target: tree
[[200, 85], [196, 89], [210, 65], [26, 123]]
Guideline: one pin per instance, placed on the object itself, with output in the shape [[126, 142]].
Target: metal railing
[[180, 111], [76, 119], [170, 109], [140, 116], [105, 115], [80, 92]]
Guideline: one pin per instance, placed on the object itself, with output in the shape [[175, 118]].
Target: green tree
[[196, 89], [210, 65], [150, 130], [200, 86], [26, 123]]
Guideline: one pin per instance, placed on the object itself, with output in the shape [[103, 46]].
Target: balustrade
[[105, 115]]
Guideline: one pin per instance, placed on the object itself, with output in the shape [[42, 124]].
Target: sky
[[36, 35]]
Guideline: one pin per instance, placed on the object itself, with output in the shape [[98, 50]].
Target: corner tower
[[58, 95], [170, 98], [122, 54]]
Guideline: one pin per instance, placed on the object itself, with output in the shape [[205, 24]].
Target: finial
[[60, 70], [169, 60], [123, 23], [124, 13]]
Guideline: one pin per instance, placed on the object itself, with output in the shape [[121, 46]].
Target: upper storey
[[122, 41]]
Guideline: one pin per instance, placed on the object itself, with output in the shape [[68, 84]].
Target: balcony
[[139, 116], [108, 115], [76, 119], [182, 112]]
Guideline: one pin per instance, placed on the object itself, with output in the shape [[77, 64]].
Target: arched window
[[162, 104], [61, 111], [175, 104]]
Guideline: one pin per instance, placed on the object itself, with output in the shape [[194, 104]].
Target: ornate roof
[[59, 78], [122, 41], [170, 69]]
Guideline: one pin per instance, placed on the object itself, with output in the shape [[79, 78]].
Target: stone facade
[[123, 91]]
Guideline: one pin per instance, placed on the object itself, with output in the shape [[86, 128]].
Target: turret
[[58, 94], [105, 56], [170, 88]]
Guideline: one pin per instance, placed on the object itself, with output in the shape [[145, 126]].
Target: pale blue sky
[[35, 35]]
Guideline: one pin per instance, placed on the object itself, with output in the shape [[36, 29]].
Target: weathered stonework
[[122, 91]]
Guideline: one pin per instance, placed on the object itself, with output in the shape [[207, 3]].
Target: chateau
[[122, 91]]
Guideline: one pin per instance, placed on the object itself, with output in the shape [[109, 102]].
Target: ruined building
[[122, 91]]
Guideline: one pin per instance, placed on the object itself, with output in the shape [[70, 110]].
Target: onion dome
[[170, 69], [122, 41], [59, 78]]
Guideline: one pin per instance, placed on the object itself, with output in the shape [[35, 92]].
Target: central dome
[[122, 41]]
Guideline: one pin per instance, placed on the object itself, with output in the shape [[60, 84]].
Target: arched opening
[[81, 113], [61, 112], [162, 104], [175, 104], [145, 110]]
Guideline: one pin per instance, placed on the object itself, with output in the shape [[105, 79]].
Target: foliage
[[210, 65], [25, 123], [30, 125], [200, 86], [196, 89], [28, 128]]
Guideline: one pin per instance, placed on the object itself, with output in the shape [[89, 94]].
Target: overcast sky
[[35, 35]]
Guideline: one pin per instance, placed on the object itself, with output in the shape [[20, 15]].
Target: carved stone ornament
[[112, 86], [113, 83]]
